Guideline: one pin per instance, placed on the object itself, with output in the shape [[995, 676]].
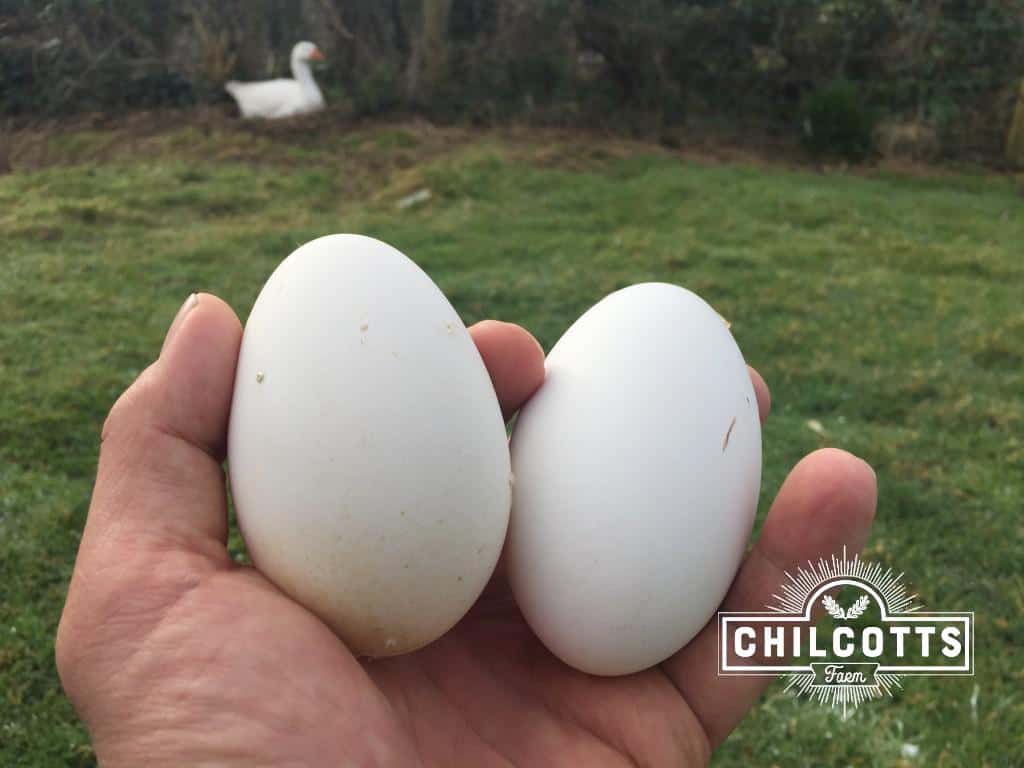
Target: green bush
[[837, 122], [378, 92], [643, 66]]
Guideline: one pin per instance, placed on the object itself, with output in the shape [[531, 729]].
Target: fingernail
[[188, 306]]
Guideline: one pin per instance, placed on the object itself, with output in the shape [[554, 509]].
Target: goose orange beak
[[316, 55]]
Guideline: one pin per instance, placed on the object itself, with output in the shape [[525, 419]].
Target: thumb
[[164, 440], [159, 511]]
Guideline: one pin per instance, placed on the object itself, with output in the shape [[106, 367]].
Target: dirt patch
[[216, 133], [386, 148]]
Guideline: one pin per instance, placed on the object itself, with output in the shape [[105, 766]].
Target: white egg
[[637, 470], [368, 458]]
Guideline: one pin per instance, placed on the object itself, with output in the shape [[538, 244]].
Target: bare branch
[[335, 21]]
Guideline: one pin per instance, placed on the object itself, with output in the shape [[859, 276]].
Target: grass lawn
[[888, 308]]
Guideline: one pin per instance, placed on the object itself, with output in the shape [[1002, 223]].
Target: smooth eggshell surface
[[637, 470], [368, 458]]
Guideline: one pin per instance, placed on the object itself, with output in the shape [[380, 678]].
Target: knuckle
[[65, 652], [62, 651], [127, 404]]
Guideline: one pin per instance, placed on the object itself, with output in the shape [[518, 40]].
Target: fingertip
[[187, 390], [197, 358], [828, 501], [836, 472], [514, 360], [197, 372], [206, 318], [183, 312], [764, 395]]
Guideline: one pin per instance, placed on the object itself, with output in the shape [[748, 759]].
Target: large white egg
[[368, 458], [637, 470]]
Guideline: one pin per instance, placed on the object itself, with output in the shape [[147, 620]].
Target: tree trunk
[[431, 54], [1015, 135]]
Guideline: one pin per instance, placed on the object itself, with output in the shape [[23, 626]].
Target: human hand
[[173, 654]]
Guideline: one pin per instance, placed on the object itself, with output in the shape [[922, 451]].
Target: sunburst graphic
[[792, 599]]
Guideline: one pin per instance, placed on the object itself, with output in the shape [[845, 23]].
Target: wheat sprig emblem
[[881, 584], [836, 611]]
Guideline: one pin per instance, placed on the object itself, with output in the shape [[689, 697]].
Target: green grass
[[888, 308]]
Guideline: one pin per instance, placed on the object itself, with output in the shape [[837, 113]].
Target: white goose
[[284, 96]]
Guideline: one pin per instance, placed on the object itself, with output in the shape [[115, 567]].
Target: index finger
[[514, 360]]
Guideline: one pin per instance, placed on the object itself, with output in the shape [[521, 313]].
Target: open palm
[[175, 655]]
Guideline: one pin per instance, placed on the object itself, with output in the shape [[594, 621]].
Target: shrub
[[377, 92], [837, 122]]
